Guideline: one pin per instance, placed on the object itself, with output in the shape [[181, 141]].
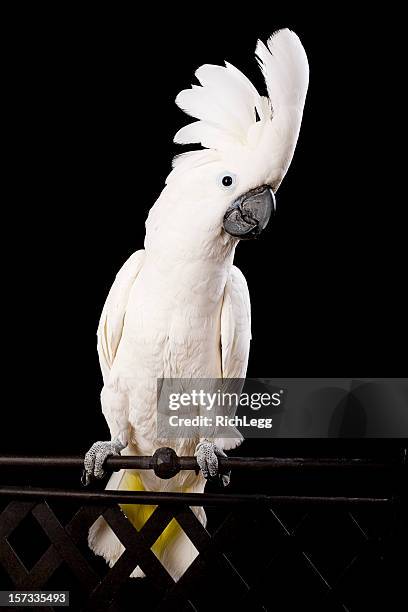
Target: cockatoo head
[[227, 189]]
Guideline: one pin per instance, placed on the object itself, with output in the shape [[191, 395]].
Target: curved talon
[[207, 454], [96, 457]]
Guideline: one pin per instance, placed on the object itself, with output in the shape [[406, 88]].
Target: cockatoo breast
[[171, 327]]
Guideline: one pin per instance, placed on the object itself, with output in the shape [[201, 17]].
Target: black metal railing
[[241, 556]]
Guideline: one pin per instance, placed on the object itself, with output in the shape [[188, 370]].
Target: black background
[[89, 125]]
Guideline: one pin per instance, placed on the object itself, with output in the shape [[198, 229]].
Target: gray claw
[[207, 454], [96, 457]]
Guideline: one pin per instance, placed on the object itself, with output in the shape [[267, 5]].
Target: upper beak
[[249, 214]]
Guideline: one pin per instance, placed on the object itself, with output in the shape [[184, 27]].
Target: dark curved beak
[[249, 214]]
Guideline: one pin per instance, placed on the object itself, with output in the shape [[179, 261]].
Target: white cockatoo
[[180, 308]]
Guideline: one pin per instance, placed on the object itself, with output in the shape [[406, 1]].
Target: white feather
[[259, 101], [232, 92], [191, 159], [111, 322], [225, 103], [200, 102], [285, 68], [210, 136]]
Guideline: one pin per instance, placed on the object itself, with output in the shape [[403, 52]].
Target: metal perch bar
[[190, 463], [190, 499]]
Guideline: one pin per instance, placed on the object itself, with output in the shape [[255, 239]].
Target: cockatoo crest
[[231, 114]]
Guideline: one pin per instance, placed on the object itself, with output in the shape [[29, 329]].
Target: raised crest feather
[[285, 68], [227, 104]]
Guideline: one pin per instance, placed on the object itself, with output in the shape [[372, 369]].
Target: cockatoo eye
[[227, 180]]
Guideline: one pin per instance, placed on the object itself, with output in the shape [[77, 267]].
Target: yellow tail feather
[[138, 514]]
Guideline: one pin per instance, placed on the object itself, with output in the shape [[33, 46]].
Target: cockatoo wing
[[113, 313], [235, 326], [235, 337]]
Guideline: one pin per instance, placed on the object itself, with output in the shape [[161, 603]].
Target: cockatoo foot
[[95, 458], [207, 454]]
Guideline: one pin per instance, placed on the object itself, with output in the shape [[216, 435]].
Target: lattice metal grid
[[262, 552]]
